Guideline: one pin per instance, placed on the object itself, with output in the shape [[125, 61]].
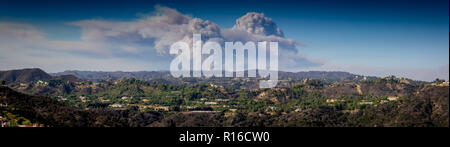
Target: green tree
[[438, 80]]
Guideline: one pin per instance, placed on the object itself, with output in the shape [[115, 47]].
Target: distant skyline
[[406, 38]]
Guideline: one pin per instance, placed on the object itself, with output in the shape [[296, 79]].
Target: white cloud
[[23, 46]]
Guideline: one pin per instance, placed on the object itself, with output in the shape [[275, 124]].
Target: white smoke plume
[[166, 26], [145, 40], [160, 30], [257, 23]]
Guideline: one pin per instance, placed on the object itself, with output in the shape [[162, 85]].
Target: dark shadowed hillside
[[50, 112], [100, 75], [24, 75], [67, 78]]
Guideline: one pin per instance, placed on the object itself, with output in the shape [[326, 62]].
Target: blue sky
[[383, 37]]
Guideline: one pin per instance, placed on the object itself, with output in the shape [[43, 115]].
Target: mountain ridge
[[34, 74], [143, 75], [24, 75]]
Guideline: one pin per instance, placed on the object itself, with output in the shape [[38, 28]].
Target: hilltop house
[[392, 98], [117, 106]]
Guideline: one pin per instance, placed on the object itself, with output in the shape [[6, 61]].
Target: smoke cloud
[[144, 41]]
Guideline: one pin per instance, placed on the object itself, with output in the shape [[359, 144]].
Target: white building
[[117, 106]]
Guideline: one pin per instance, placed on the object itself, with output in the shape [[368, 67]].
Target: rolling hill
[[24, 75]]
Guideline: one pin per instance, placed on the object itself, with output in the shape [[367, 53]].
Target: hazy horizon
[[71, 70]]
